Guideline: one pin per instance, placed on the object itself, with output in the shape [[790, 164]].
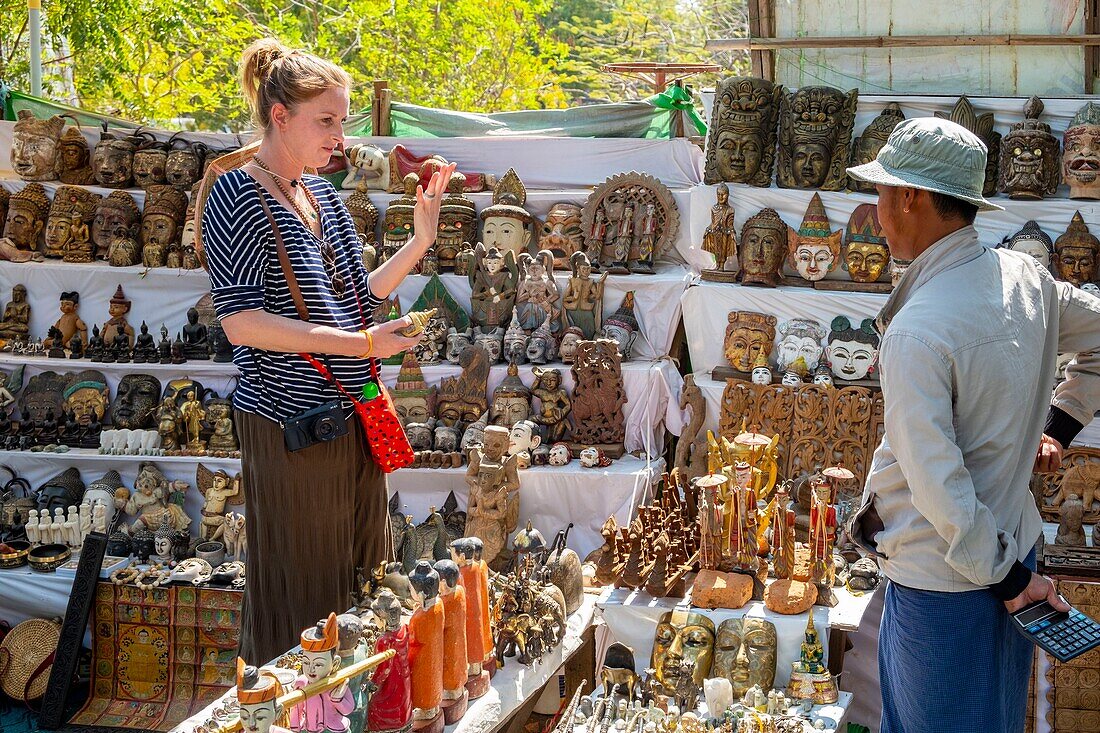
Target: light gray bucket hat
[[933, 155]]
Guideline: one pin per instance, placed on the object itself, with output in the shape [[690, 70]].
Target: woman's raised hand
[[426, 213]]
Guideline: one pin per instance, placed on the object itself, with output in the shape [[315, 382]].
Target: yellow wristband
[[370, 344]]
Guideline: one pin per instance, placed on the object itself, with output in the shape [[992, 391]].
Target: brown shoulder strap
[[284, 259]]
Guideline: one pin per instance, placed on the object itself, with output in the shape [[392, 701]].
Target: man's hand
[[1049, 455], [1037, 589]]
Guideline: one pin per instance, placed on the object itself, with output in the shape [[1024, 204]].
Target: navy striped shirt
[[245, 274]]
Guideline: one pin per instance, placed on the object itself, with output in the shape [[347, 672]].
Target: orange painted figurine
[[454, 641], [469, 577], [257, 694], [426, 649], [490, 662]]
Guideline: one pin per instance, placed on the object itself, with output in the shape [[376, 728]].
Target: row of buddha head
[[850, 350], [77, 216], [754, 122]]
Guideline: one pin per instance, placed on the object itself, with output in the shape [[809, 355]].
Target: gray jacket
[[970, 340]]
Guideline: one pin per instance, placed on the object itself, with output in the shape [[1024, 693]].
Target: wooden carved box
[[1074, 687], [1079, 474], [817, 425]]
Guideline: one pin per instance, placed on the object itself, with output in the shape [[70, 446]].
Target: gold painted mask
[[682, 636], [745, 654]]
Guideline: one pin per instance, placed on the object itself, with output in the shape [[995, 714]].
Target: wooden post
[[754, 32], [380, 108], [767, 29], [1092, 53]]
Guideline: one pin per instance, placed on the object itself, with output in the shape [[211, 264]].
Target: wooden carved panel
[[1074, 692], [818, 426], [1079, 474]]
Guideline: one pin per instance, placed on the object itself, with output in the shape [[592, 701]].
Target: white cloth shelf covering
[[551, 497]]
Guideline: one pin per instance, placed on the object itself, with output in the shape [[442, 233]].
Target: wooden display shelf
[[88, 455], [61, 365]]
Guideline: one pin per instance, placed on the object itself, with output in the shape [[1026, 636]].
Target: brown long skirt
[[313, 518]]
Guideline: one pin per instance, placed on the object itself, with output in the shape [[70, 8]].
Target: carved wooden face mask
[[745, 654], [682, 636], [763, 247], [1030, 168], [34, 150], [1081, 153], [747, 336], [741, 148]]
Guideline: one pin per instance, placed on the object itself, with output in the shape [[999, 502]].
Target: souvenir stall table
[[513, 687]]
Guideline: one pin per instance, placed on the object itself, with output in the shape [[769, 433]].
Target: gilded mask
[[981, 125], [116, 217], [113, 161], [76, 158], [136, 398], [745, 652], [150, 162], [815, 130], [1030, 167], [852, 351], [34, 147], [741, 141], [682, 636], [866, 146], [814, 251], [799, 337], [562, 233], [26, 220], [747, 336], [1033, 241], [866, 254], [1081, 154], [1076, 252], [763, 248]]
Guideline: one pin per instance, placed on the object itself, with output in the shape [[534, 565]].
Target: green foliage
[[164, 61]]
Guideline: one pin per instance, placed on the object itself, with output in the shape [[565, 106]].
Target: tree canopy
[[163, 61]]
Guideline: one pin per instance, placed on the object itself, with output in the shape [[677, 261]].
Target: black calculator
[[1065, 635]]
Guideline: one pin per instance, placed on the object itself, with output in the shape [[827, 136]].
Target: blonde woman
[[316, 504]]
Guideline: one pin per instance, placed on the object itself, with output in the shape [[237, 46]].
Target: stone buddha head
[[763, 248], [86, 397], [319, 647], [815, 130], [981, 125], [748, 335], [741, 142], [799, 337], [136, 399], [866, 253], [1076, 253], [682, 637], [814, 251], [506, 224], [184, 164], [562, 233], [1033, 241], [26, 220], [1081, 153], [116, 217], [75, 157], [150, 163], [511, 400], [1030, 164], [113, 160], [72, 208], [745, 651], [866, 146], [852, 350], [165, 207], [35, 155]]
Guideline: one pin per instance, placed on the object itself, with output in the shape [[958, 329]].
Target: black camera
[[319, 424]]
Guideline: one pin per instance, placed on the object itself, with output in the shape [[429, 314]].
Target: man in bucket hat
[[969, 341]]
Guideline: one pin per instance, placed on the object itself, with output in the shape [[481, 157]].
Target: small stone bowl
[[47, 558], [18, 558]]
